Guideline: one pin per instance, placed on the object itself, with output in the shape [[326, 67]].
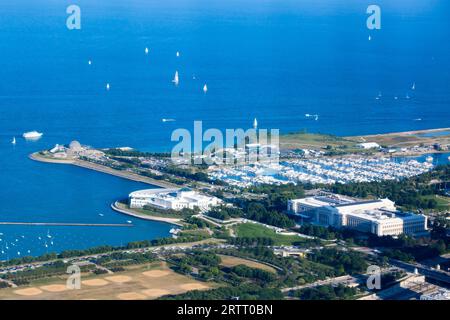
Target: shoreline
[[103, 169], [128, 212]]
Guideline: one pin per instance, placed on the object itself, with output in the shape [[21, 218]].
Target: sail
[[176, 78]]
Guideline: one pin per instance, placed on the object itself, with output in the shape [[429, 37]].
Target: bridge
[[438, 275]]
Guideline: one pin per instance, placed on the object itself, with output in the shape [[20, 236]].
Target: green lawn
[[314, 140], [443, 203], [252, 230], [152, 212]]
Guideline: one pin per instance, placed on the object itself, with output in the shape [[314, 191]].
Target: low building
[[291, 252], [174, 199], [379, 217], [368, 145]]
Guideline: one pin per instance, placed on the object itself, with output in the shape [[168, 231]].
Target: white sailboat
[[13, 140], [205, 88], [255, 124], [413, 86], [89, 62], [370, 38], [108, 86], [178, 54], [146, 50], [176, 78]]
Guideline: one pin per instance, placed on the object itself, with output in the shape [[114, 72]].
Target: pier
[[66, 224]]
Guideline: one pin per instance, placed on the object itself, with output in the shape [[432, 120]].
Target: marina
[[323, 170]]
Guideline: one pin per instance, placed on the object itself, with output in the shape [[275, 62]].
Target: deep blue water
[[274, 60]]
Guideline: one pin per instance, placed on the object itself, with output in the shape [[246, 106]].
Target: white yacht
[[13, 140], [146, 50], [178, 54], [413, 86], [108, 86], [176, 78], [205, 88], [32, 135]]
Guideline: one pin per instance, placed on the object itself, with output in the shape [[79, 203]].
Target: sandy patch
[[95, 282], [155, 293], [54, 288], [156, 273], [28, 292], [193, 286], [131, 296], [118, 279]]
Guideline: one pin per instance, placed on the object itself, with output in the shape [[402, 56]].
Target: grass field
[[230, 261], [314, 141], [348, 144], [443, 203], [148, 281], [252, 230]]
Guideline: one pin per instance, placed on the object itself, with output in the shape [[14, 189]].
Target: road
[[438, 275], [345, 280]]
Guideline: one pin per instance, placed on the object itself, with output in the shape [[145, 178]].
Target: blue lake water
[[274, 60]]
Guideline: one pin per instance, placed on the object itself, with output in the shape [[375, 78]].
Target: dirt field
[[137, 283], [229, 261]]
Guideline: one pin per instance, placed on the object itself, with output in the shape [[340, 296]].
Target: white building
[[368, 145], [174, 199], [379, 217]]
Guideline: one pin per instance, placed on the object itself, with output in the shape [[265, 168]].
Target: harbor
[[322, 170]]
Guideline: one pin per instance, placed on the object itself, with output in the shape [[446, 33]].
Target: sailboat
[[146, 50], [178, 54], [413, 86], [108, 86], [13, 140], [205, 88], [370, 38], [255, 124], [176, 79]]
